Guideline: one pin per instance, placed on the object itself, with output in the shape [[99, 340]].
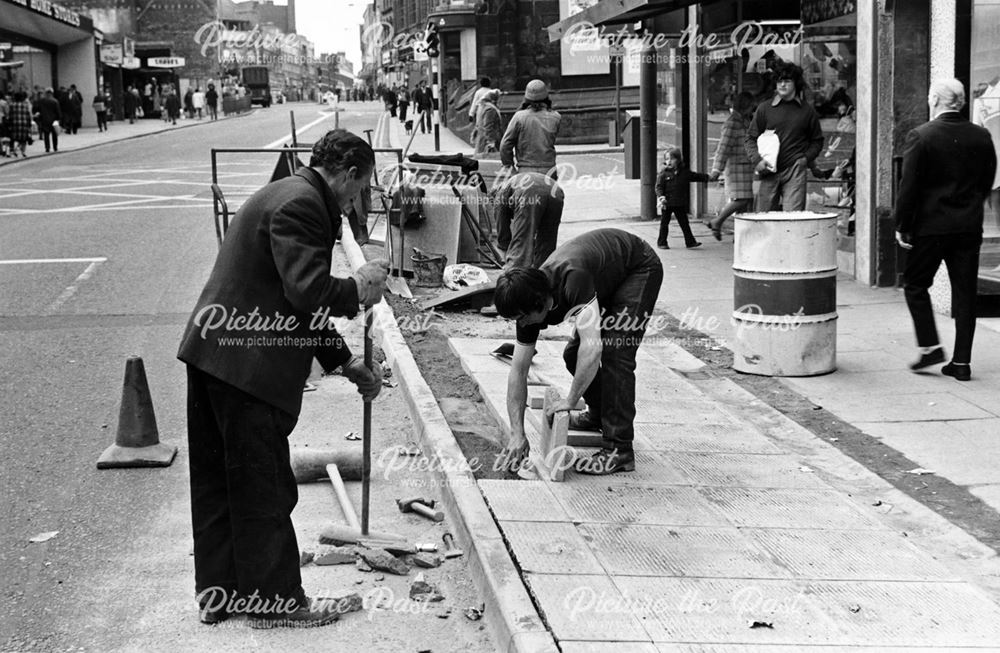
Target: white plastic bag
[[463, 275], [769, 145]]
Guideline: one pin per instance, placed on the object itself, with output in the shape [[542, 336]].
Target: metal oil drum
[[785, 293]]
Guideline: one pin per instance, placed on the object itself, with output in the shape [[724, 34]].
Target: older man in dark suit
[[948, 168], [261, 319]]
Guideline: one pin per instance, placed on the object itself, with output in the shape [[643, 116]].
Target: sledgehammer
[[339, 534], [420, 506]]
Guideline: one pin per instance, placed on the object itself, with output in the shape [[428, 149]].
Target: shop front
[[47, 45]]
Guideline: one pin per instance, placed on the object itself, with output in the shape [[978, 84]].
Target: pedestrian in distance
[[529, 207], [75, 117], [20, 118], [65, 107], [530, 140], [391, 101], [602, 272], [423, 103], [212, 102], [948, 169], [130, 102], [403, 101], [731, 160], [673, 196], [100, 106], [189, 103], [486, 136], [48, 115], [5, 142], [198, 101], [800, 137], [173, 106], [243, 401], [485, 85]]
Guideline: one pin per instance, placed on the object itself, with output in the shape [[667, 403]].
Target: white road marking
[[72, 288], [35, 261], [298, 132]]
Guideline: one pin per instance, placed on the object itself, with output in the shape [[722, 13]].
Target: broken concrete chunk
[[337, 556], [384, 561], [341, 602], [421, 590], [362, 565], [306, 557], [427, 560]]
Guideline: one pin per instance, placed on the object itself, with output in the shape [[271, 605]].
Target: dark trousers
[[682, 220], [102, 121], [533, 224], [785, 189], [611, 395], [960, 253], [51, 137], [242, 492], [403, 108]]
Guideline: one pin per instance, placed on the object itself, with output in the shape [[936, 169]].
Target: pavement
[[87, 137], [741, 527]]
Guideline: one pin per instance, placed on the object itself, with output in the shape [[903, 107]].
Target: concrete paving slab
[[721, 438], [660, 434], [988, 493], [658, 352], [745, 470], [665, 505], [550, 548], [839, 555], [656, 412], [788, 508], [607, 647], [931, 406], [866, 382], [951, 449], [721, 611], [982, 394], [949, 615], [585, 608], [651, 468], [522, 501], [662, 647], [645, 550]]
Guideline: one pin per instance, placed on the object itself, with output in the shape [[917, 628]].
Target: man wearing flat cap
[[529, 144]]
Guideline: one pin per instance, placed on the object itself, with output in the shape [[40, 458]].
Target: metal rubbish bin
[[631, 139], [785, 293]]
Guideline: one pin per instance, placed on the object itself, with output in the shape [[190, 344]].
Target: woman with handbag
[[20, 124]]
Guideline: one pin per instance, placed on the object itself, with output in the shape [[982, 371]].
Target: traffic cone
[[137, 442]]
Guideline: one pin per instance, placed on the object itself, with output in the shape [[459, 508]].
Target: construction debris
[[427, 560], [384, 561], [362, 565], [306, 557], [474, 613], [421, 590], [337, 556], [343, 602]]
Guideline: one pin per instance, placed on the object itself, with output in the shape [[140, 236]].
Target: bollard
[[785, 293]]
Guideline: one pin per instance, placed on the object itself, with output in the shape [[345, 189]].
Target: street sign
[[128, 45], [616, 50], [131, 63], [420, 51], [111, 54], [165, 62]]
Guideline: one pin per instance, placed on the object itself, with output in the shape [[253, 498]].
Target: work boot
[[584, 421], [211, 616], [606, 461], [309, 614]]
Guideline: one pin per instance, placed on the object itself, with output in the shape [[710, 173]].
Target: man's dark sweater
[[797, 127]]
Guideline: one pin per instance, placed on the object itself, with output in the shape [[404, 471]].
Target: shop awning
[[618, 12], [11, 64]]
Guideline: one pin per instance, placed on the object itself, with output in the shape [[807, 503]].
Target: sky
[[332, 25]]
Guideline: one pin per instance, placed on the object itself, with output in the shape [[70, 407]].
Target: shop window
[[984, 92]]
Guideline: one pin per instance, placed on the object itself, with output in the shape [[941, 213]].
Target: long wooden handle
[[342, 498], [366, 435]]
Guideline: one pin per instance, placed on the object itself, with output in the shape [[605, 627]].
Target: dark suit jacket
[[274, 264], [48, 112], [948, 169]]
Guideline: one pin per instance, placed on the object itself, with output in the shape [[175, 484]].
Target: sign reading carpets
[[817, 11], [165, 62]]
